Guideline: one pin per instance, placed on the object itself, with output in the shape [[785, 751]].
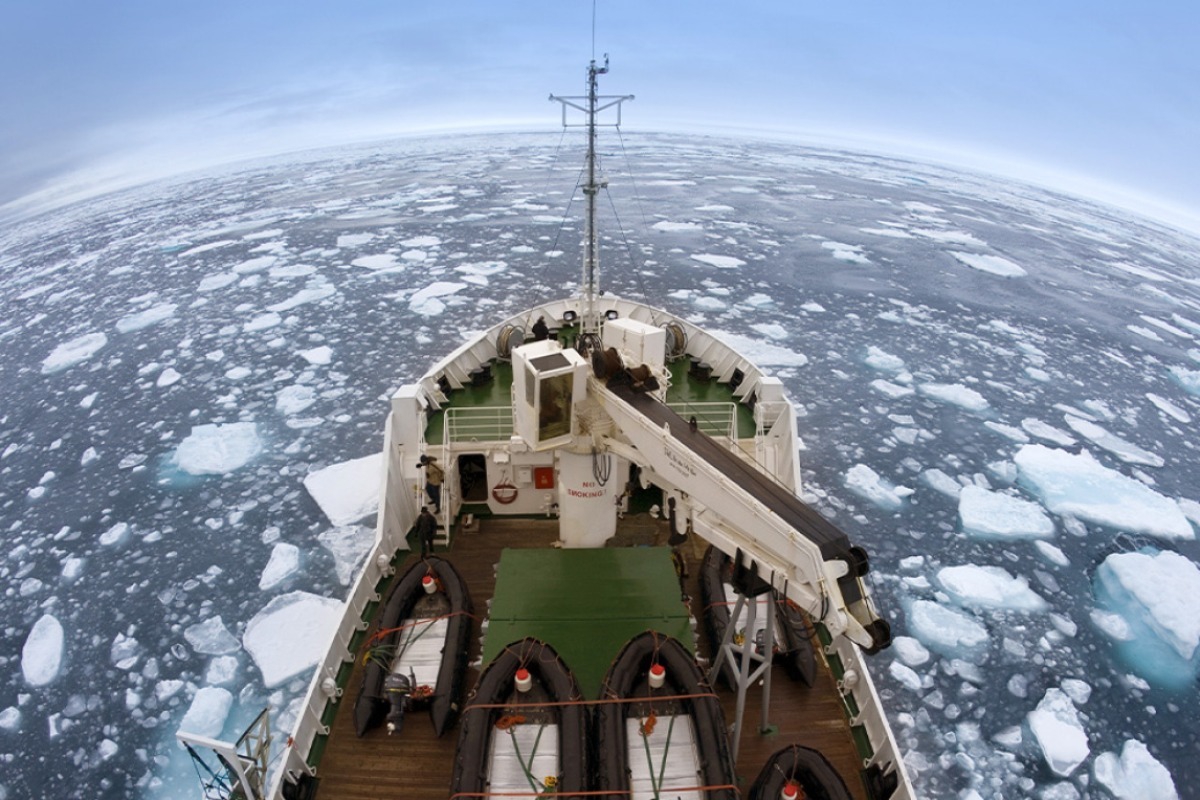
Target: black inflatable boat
[[793, 646], [524, 728], [662, 731], [799, 768], [418, 653]]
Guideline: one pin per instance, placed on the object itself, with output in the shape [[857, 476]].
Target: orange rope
[[598, 792], [416, 621], [556, 703]]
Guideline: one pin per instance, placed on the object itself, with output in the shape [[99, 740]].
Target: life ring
[[504, 492]]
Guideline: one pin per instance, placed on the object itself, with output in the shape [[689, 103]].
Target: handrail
[[717, 419], [478, 424]]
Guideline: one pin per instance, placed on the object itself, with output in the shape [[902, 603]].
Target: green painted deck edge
[[586, 603], [858, 732], [317, 750], [497, 392]]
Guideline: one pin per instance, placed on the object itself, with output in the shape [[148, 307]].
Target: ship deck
[[417, 765]]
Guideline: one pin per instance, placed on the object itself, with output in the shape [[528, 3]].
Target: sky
[[1100, 99]]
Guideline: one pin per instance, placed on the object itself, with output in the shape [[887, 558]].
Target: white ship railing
[[719, 420], [855, 682], [479, 424]]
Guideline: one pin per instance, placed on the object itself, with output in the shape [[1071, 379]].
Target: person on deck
[[433, 481], [540, 331], [426, 531]]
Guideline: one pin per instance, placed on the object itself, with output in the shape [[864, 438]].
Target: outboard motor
[[398, 690]]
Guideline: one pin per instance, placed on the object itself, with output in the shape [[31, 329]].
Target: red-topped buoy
[[429, 584], [658, 676], [524, 680], [792, 791]]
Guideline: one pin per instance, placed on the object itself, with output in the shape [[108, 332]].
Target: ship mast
[[595, 103]]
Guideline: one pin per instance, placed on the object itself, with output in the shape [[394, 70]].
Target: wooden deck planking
[[415, 765]]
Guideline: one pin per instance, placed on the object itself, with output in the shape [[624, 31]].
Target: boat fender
[[523, 679], [657, 676], [792, 791], [429, 584]]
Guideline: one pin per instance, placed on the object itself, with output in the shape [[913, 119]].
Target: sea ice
[[220, 280], [10, 719], [168, 377], [1042, 430], [1189, 379], [905, 676], [892, 390], [850, 253], [144, 319], [426, 301], [1157, 595], [354, 239], [315, 291], [348, 544], [218, 449], [262, 322], [993, 515], [867, 484], [210, 637], [252, 265], [952, 633], [664, 225], [954, 394], [290, 635], [1080, 486], [1059, 733], [41, 657], [910, 651], [720, 262], [883, 361], [994, 265], [294, 399], [76, 351], [1052, 554], [977, 586], [1168, 408], [1126, 451], [207, 714], [1135, 774], [762, 353], [284, 561], [348, 491], [317, 356]]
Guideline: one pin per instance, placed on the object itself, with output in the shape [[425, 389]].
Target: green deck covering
[[586, 603]]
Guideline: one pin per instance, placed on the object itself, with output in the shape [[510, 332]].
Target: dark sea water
[[810, 253]]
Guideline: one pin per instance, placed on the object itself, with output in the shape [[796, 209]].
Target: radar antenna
[[591, 104]]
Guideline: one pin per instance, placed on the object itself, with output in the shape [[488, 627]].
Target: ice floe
[[220, 280], [317, 356], [1157, 596], [210, 637], [993, 265], [427, 302], [207, 714], [948, 631], [1189, 379], [348, 544], [348, 491], [1126, 451], [762, 353], [291, 635], [1080, 486], [42, 654], [284, 561], [76, 351], [1059, 733], [217, 449], [144, 319], [954, 394], [1135, 774], [976, 586], [718, 261], [294, 399], [988, 514], [869, 485]]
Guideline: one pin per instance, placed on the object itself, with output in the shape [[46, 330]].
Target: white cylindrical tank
[[587, 497]]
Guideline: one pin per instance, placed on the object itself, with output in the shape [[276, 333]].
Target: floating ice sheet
[[993, 515], [1135, 774], [947, 631], [1080, 486], [348, 491], [1059, 733], [978, 586], [207, 714], [867, 484], [76, 351], [41, 657], [291, 635], [348, 544], [218, 449]]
